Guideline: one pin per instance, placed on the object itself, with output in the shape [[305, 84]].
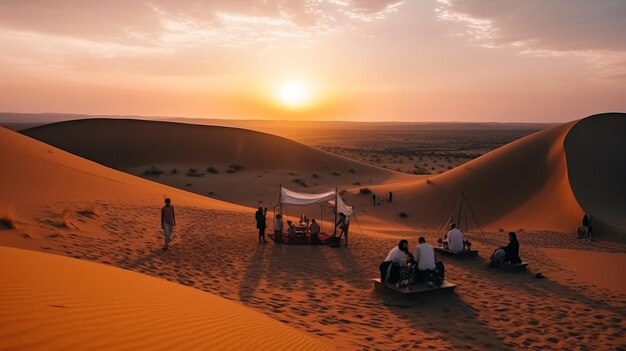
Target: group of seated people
[[403, 268], [313, 229]]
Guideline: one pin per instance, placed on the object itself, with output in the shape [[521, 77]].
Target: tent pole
[[460, 210], [335, 222], [321, 217]]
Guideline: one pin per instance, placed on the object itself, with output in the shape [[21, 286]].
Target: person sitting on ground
[[278, 228], [314, 228], [508, 254], [427, 268], [291, 228], [586, 228], [395, 261], [456, 242]]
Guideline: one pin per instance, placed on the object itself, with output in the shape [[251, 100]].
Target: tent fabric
[[294, 198]]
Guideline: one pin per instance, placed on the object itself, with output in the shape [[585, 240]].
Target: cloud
[[591, 29], [148, 22]]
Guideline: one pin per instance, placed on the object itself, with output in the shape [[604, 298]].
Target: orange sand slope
[[526, 184], [596, 161], [34, 173], [53, 302], [269, 160]]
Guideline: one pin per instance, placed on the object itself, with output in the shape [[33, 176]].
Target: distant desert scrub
[[301, 182], [365, 191], [336, 174], [152, 171], [403, 214], [7, 219], [236, 167], [352, 170], [212, 170], [194, 173], [174, 171]]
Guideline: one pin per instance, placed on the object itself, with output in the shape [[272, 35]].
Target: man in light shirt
[[425, 256], [396, 259], [455, 239]]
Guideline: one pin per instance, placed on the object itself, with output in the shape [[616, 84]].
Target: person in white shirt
[[455, 239], [278, 228], [314, 229], [427, 268], [397, 255], [425, 255], [395, 261]]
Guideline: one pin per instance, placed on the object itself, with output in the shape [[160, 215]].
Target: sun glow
[[294, 94]]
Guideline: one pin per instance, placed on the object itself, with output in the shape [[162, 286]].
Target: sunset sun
[[294, 94]]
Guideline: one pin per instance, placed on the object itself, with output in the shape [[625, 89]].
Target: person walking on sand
[[390, 197], [374, 198], [261, 223], [168, 221]]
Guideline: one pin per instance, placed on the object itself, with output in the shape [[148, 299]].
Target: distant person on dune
[[261, 223], [394, 263], [508, 254], [455, 239], [168, 221], [314, 228], [390, 197], [278, 228], [374, 198]]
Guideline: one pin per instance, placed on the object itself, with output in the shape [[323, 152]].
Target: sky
[[353, 60]]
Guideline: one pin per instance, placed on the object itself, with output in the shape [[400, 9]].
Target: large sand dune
[[321, 291], [596, 163], [268, 160], [534, 183], [51, 302]]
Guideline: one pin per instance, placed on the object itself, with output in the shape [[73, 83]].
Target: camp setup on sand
[[330, 200], [463, 215]]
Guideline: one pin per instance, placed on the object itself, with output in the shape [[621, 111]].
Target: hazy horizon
[[349, 60]]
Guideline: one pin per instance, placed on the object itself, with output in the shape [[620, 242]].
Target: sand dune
[[321, 291], [535, 183], [57, 303], [267, 160], [596, 162]]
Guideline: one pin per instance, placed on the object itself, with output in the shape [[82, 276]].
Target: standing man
[[168, 221], [260, 223], [390, 197], [374, 198]]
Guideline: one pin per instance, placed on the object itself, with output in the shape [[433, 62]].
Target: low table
[[464, 253], [417, 288], [516, 267]]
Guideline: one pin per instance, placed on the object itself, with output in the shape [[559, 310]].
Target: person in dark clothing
[[512, 250], [260, 223], [508, 254], [390, 197], [585, 231], [374, 199]]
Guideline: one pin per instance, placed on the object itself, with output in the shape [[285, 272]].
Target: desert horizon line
[[5, 114]]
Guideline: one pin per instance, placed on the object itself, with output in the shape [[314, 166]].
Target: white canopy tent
[[294, 198], [332, 198]]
